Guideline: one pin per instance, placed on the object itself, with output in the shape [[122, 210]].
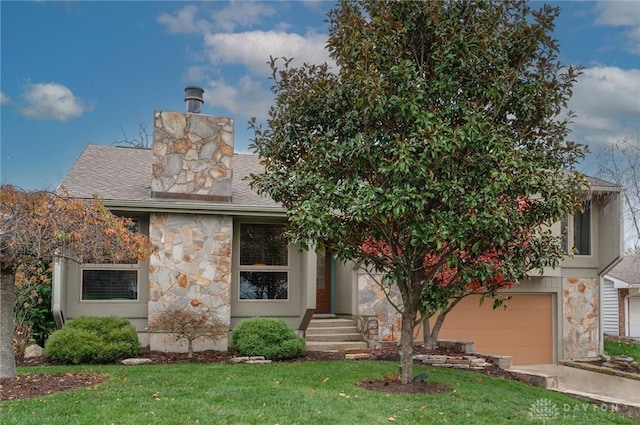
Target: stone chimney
[[192, 153]]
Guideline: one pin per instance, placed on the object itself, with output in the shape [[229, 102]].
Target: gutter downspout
[[56, 293]]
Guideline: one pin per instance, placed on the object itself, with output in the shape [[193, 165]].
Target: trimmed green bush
[[271, 338], [93, 340]]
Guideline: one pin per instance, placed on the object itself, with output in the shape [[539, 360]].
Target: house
[[621, 299], [221, 250]]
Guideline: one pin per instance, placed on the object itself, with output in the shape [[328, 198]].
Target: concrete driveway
[[622, 393]]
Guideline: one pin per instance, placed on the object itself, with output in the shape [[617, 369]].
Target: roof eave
[[186, 207]]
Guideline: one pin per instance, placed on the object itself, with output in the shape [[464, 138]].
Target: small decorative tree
[[43, 226], [190, 325]]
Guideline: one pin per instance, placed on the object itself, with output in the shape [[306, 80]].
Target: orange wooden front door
[[323, 284]]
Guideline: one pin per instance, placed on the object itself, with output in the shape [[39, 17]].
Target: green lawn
[[292, 393], [622, 349]]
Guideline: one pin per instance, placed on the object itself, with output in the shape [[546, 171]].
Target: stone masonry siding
[[192, 269], [373, 303], [581, 318], [192, 154]]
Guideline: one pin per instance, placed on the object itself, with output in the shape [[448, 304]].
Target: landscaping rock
[[33, 351], [135, 361], [250, 360], [357, 356]]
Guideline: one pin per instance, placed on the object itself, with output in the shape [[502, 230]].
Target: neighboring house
[[221, 250], [621, 299]]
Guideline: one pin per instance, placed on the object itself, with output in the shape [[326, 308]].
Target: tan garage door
[[523, 330]]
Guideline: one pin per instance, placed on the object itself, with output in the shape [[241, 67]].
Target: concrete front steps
[[331, 333]]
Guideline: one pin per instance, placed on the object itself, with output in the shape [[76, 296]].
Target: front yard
[[622, 347], [320, 392]]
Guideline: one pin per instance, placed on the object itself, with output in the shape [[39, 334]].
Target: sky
[[75, 73]]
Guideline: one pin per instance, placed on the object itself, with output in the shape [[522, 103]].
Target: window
[[102, 283], [576, 231], [110, 282], [264, 262]]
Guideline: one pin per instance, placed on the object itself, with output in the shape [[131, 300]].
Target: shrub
[[271, 338], [32, 314], [190, 325], [93, 340]]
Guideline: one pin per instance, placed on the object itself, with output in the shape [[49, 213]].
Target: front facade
[[221, 251]]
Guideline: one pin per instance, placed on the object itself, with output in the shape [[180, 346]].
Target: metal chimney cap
[[194, 93]]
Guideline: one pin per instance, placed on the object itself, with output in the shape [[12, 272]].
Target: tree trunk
[[190, 348], [406, 346], [429, 334], [429, 342], [7, 305]]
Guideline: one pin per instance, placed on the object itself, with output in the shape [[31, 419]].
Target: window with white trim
[[576, 231], [263, 262]]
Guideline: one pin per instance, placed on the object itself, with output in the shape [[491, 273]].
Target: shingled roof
[[627, 271], [124, 174], [121, 173]]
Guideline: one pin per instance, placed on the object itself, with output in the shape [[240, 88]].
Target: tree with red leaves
[[43, 226]]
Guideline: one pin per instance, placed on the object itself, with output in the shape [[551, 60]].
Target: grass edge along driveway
[[294, 393]]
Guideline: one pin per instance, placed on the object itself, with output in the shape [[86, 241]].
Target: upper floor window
[[264, 262], [576, 231]]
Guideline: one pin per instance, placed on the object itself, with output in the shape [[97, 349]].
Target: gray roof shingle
[[124, 174], [628, 270]]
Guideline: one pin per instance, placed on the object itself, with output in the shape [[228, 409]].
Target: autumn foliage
[[41, 227], [48, 226]]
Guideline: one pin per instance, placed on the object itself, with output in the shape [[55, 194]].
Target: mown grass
[[292, 393], [614, 348]]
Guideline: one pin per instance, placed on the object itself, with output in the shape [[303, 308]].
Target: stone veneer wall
[[192, 154], [192, 270], [581, 318], [373, 303]]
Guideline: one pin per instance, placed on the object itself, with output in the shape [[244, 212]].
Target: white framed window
[[263, 271], [576, 231], [109, 282]]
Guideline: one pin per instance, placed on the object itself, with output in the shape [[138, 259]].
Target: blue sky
[[74, 73]]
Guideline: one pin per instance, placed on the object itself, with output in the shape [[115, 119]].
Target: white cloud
[[51, 101], [245, 99], [4, 99], [252, 49], [607, 103], [618, 13], [241, 13], [621, 14], [183, 21], [242, 55], [195, 73]]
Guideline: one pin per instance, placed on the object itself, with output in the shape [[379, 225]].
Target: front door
[[323, 284]]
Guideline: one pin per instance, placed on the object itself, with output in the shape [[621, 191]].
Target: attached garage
[[523, 330]]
